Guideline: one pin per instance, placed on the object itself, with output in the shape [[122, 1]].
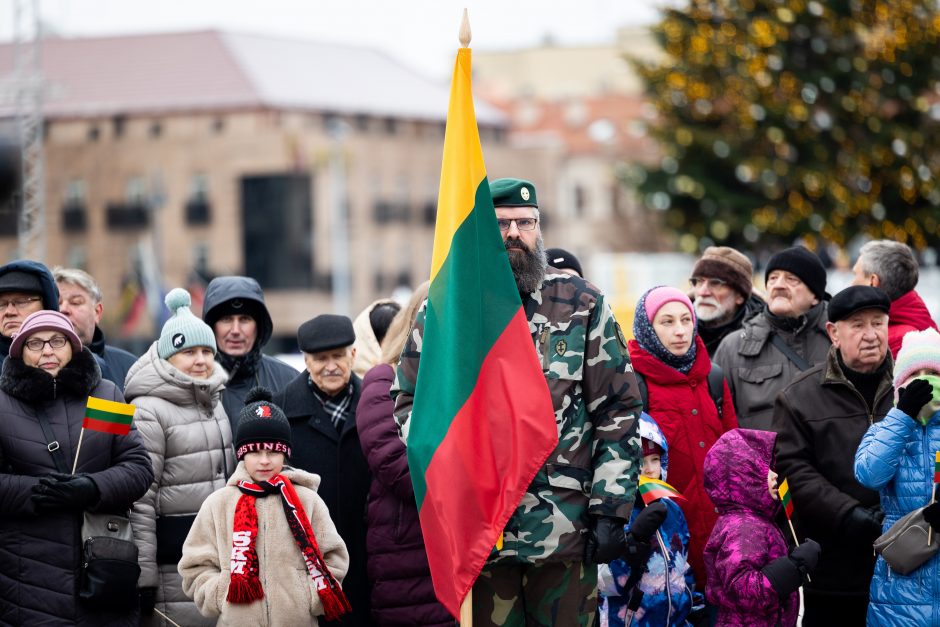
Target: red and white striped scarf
[[245, 586]]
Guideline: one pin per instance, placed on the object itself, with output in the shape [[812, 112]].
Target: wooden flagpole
[[466, 608]]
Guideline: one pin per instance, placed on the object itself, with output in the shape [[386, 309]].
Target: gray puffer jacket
[[188, 436], [757, 371]]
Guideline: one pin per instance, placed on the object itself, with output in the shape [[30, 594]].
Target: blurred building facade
[[173, 158], [583, 105]]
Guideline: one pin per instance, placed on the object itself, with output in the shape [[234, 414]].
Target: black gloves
[[638, 548], [58, 492], [606, 541], [786, 574], [864, 522], [148, 599], [648, 521], [932, 515], [913, 398]]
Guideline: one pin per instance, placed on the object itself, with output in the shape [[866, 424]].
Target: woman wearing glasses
[[691, 408], [177, 388], [48, 378]]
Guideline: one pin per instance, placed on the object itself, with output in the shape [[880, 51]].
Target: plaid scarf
[[334, 406], [245, 586]]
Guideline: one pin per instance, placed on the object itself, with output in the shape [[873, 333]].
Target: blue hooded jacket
[[667, 584], [896, 457]]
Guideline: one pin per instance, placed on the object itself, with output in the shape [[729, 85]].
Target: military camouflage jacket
[[595, 467]]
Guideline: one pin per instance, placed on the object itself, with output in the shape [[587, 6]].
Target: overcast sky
[[422, 33]]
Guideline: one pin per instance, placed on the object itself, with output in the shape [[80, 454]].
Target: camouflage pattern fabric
[[595, 467], [522, 595]]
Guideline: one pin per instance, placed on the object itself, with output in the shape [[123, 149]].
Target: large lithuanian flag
[[482, 422]]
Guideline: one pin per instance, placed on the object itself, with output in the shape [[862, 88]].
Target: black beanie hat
[[262, 426], [563, 260], [804, 264]]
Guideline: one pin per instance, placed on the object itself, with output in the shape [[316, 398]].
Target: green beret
[[513, 193]]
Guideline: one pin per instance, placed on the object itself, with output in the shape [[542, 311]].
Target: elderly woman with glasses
[[48, 378]]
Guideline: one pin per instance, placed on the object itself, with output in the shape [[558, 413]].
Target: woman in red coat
[[671, 358]]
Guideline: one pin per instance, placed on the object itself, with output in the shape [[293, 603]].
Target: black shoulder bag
[[109, 569]]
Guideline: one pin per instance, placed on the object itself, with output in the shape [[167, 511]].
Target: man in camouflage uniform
[[573, 512]]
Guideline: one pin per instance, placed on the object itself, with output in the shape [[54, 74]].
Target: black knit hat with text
[[262, 426]]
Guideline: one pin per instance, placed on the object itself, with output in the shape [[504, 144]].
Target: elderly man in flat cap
[[820, 419], [320, 404], [573, 513]]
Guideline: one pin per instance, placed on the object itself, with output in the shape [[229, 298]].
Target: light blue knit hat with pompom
[[183, 329]]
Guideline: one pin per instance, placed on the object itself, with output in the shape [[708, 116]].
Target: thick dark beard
[[528, 266]]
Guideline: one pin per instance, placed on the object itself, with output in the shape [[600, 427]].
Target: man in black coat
[[234, 308], [820, 419], [320, 404]]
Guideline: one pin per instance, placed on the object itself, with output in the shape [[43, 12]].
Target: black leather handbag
[[109, 569]]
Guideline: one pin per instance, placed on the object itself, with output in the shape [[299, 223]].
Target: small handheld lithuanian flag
[[786, 499], [936, 468], [108, 416], [652, 489]]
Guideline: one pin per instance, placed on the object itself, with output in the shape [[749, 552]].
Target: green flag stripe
[[108, 416], [472, 299]]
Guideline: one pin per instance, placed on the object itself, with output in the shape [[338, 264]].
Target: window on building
[[198, 207], [74, 208], [580, 200], [277, 221], [391, 126], [118, 122], [93, 133], [218, 125], [156, 129]]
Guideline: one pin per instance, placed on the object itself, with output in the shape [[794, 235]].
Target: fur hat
[[919, 350], [183, 329], [44, 320], [727, 264], [262, 426]]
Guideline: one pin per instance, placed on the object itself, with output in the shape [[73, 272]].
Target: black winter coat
[[820, 419], [40, 554], [254, 368], [344, 479]]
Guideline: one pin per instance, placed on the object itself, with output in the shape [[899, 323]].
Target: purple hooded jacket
[[402, 593], [745, 537]]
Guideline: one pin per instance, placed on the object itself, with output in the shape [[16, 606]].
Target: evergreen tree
[[781, 118]]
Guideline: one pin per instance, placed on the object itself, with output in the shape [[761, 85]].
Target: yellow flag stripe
[[464, 158], [110, 406]]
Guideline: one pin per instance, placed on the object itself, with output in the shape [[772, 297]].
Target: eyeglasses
[[713, 284], [36, 345], [523, 224], [19, 303]]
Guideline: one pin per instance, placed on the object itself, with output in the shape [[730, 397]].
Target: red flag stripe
[[453, 511], [107, 427]]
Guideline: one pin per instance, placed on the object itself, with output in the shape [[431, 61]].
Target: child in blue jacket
[[667, 584]]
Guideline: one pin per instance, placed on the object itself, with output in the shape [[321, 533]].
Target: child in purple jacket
[[751, 578]]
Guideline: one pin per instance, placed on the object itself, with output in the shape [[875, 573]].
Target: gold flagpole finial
[[465, 30]]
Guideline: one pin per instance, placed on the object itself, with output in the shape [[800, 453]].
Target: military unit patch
[[560, 347]]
